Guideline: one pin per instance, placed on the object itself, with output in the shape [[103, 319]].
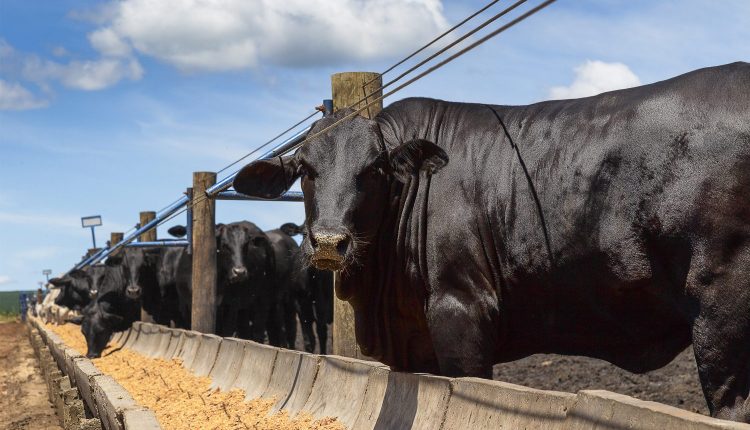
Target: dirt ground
[[675, 384], [23, 394]]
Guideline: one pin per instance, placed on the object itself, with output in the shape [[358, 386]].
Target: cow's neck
[[388, 291]]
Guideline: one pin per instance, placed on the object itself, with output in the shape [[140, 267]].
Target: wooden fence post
[[349, 88], [115, 238], [203, 313], [149, 236]]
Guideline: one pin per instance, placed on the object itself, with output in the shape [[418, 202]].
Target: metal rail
[[163, 242], [216, 191], [289, 196], [163, 214], [278, 150]]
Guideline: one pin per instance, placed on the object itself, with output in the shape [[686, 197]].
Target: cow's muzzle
[[329, 250], [238, 274], [133, 292]]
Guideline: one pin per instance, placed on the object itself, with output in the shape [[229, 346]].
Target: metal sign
[[91, 221]]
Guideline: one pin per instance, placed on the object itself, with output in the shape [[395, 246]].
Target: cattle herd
[[262, 286], [615, 226]]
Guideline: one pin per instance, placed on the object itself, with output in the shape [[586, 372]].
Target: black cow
[[174, 278], [245, 264], [77, 287], [314, 297], [126, 283], [114, 309], [615, 226], [285, 288]]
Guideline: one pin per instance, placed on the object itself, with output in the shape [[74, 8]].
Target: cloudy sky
[[107, 107]]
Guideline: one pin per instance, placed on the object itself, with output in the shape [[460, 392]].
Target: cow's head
[[98, 323], [138, 269], [242, 251], [346, 177], [75, 288]]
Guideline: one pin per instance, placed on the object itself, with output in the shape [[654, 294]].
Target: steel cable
[[199, 199]]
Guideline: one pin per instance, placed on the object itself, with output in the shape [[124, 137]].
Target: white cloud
[[109, 43], [115, 65], [203, 35], [83, 75], [99, 74], [15, 97], [5, 280], [596, 77]]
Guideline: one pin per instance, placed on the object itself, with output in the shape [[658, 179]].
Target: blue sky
[[107, 107]]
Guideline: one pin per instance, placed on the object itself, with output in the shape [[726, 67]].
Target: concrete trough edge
[[105, 398], [368, 395]]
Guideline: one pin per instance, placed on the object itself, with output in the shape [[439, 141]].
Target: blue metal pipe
[[288, 145], [163, 242], [189, 223], [289, 196]]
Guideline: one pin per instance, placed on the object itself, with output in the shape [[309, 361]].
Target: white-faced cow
[[615, 226]]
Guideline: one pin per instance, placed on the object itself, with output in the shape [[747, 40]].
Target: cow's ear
[[177, 231], [291, 229], [58, 282], [410, 157], [219, 230], [267, 179]]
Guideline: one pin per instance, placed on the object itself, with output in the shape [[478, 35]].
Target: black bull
[[637, 245]]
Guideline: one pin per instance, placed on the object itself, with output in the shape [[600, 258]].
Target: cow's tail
[[291, 229]]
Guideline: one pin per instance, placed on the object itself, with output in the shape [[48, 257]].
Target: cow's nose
[[239, 272], [133, 292], [330, 249], [93, 355]]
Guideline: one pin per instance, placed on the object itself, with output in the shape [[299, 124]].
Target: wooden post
[[203, 314], [149, 236], [348, 90], [146, 217], [115, 238]]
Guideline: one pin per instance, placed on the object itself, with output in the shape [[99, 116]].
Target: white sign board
[[91, 221]]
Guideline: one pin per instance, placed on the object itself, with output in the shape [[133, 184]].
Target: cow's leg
[[306, 319], [228, 321], [290, 322], [721, 331], [243, 324], [275, 323], [462, 334], [260, 315], [323, 313]]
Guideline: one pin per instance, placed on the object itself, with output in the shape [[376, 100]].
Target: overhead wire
[[199, 199]]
